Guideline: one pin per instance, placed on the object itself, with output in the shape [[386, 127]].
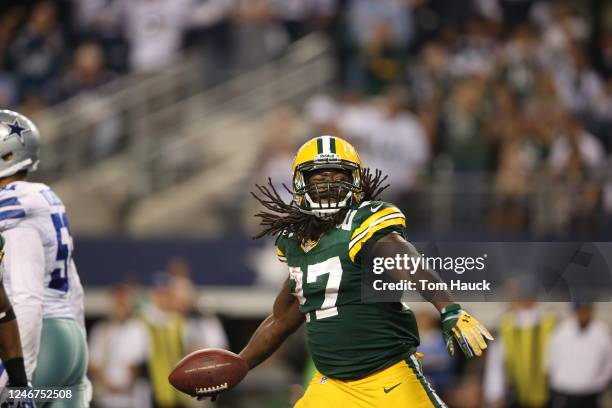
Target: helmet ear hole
[[8, 156]]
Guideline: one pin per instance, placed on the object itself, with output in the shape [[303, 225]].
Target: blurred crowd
[[539, 359], [148, 329], [508, 102], [51, 50], [536, 361], [496, 101]]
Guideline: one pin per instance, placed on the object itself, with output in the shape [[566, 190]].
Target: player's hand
[[6, 400], [469, 333]]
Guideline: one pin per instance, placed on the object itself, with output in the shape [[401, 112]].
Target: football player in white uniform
[[11, 356], [40, 279]]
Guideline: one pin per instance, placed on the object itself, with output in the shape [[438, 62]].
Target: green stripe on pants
[[415, 365], [62, 362]]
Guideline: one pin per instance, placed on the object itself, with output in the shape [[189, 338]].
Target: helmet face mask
[[325, 198], [19, 144]]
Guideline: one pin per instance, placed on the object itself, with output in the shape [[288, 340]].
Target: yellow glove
[[469, 333]]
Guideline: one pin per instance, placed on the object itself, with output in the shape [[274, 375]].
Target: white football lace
[[214, 388]]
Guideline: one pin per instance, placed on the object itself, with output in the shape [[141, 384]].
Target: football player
[[11, 355], [364, 353], [40, 276]]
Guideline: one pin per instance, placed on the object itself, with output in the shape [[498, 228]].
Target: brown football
[[208, 371]]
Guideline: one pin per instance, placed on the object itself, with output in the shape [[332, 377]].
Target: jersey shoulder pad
[[21, 200], [280, 254], [372, 220], [282, 246]]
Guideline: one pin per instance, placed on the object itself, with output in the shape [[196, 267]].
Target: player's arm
[[393, 244], [469, 333], [24, 262], [10, 344], [272, 332]]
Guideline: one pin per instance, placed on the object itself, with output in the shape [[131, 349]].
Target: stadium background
[[491, 117]]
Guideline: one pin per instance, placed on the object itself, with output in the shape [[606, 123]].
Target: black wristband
[[8, 316], [15, 369]]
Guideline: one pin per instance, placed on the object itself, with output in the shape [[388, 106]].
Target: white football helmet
[[19, 144]]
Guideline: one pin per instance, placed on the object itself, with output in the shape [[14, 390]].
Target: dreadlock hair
[[284, 217]]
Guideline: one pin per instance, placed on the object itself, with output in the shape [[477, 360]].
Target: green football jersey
[[348, 339]]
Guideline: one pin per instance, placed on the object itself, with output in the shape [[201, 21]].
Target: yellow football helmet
[[326, 199]]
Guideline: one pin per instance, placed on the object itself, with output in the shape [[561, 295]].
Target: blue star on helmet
[[17, 130]]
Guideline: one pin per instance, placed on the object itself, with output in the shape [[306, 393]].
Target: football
[[208, 371]]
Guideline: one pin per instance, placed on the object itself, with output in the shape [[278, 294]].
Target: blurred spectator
[[517, 158], [577, 160], [521, 62], [379, 33], [8, 90], [515, 372], [366, 17], [100, 21], [282, 135], [260, 36], [580, 87], [163, 343], [213, 33], [9, 26], [113, 364], [88, 71], [356, 118], [37, 52], [178, 267], [396, 143], [474, 53], [172, 327], [282, 132], [430, 78], [580, 360], [462, 118], [200, 331], [153, 29], [322, 110]]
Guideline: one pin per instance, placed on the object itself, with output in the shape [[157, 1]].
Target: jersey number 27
[[331, 266]]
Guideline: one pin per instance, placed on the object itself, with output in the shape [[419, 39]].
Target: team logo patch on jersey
[[323, 380], [309, 245]]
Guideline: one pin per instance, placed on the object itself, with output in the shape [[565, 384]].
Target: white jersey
[[31, 215]]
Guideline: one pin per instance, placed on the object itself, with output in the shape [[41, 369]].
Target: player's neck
[[5, 181]]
